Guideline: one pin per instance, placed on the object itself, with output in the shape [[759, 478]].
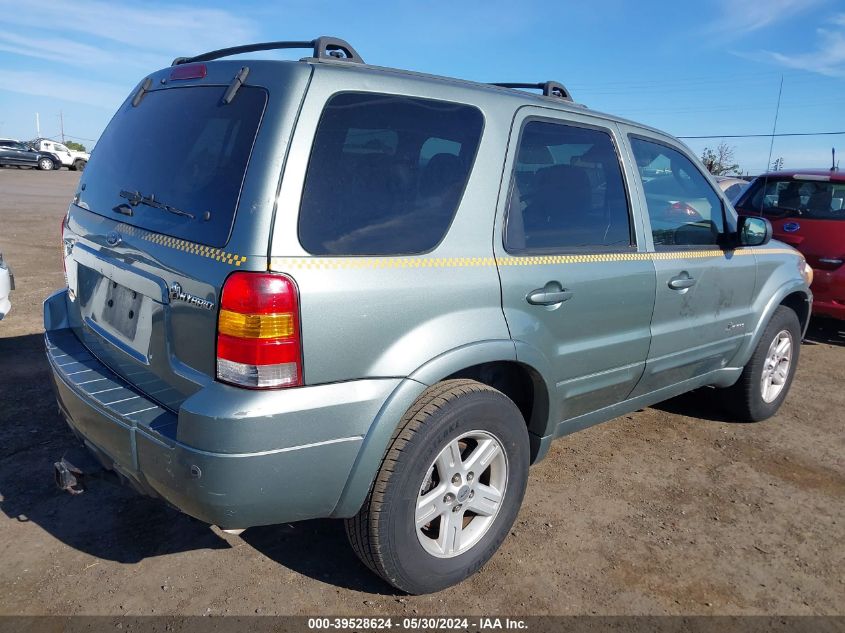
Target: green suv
[[320, 288]]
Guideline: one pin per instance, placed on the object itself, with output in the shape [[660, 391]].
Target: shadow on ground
[[318, 549], [702, 403], [828, 331], [113, 522], [107, 521]]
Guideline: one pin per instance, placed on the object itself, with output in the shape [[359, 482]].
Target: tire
[[78, 165], [748, 400], [45, 164], [455, 413]]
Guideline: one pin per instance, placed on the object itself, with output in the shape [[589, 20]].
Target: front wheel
[[78, 166], [766, 378], [448, 490], [45, 164]]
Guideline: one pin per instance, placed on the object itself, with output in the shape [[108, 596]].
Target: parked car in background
[[807, 210], [7, 284], [731, 186], [70, 158], [19, 154]]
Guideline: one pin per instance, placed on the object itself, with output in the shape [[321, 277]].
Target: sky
[[709, 67]]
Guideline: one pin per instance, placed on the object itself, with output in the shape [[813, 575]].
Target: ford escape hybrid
[[328, 289]]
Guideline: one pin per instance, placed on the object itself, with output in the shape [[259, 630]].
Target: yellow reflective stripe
[[278, 325], [376, 263], [209, 252]]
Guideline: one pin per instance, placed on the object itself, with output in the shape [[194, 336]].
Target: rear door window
[[184, 148], [567, 192], [683, 208], [386, 174]]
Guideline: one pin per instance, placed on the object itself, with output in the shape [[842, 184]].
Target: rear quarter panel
[[388, 316]]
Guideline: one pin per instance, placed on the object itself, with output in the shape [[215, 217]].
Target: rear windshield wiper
[[136, 197]]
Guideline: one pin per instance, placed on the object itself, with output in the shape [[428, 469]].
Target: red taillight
[[683, 210], [188, 71], [258, 341]]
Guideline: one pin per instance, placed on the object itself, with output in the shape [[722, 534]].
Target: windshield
[[182, 148], [788, 197]]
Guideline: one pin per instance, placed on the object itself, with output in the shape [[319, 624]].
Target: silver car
[[732, 187], [321, 288], [7, 284]]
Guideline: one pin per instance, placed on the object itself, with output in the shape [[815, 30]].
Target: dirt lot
[[671, 510]]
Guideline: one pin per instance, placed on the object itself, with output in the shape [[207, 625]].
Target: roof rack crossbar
[[323, 48], [549, 88]]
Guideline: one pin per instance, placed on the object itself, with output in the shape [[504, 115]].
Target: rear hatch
[[807, 211], [179, 193]]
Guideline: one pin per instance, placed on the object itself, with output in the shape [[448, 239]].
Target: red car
[[807, 210]]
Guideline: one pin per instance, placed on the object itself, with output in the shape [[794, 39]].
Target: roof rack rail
[[549, 88], [324, 47]]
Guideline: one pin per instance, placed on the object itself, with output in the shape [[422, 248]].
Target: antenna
[[775, 125], [771, 146], [832, 159]]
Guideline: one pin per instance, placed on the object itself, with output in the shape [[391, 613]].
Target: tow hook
[[68, 477]]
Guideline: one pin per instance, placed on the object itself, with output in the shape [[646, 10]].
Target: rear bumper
[[230, 457], [829, 293]]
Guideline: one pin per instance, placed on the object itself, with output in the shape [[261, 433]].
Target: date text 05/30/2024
[[421, 623]]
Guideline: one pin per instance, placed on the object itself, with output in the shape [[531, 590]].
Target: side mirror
[[754, 231]]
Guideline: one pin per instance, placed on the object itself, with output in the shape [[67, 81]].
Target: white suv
[[72, 159]]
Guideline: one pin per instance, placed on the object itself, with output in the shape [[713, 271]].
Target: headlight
[[806, 271]]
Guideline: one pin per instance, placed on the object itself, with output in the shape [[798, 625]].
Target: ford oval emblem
[[113, 238], [791, 227]]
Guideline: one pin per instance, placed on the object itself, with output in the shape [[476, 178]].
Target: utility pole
[[62, 125], [37, 126]]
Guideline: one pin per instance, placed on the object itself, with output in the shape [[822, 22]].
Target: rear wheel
[[766, 378], [45, 164], [448, 490]]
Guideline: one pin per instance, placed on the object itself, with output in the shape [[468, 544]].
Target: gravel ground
[[670, 510]]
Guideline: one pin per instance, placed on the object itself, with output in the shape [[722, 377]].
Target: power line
[[766, 135], [54, 137]]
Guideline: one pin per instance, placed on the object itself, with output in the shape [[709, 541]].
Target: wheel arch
[[503, 365], [801, 304], [519, 382], [794, 295], [493, 363]]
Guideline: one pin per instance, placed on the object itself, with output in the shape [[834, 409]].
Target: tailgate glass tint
[[175, 163]]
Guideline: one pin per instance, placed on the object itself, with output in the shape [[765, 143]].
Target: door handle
[[681, 282], [550, 294]]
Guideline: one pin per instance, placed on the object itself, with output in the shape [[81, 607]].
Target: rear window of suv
[[386, 174], [187, 150], [795, 197]]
